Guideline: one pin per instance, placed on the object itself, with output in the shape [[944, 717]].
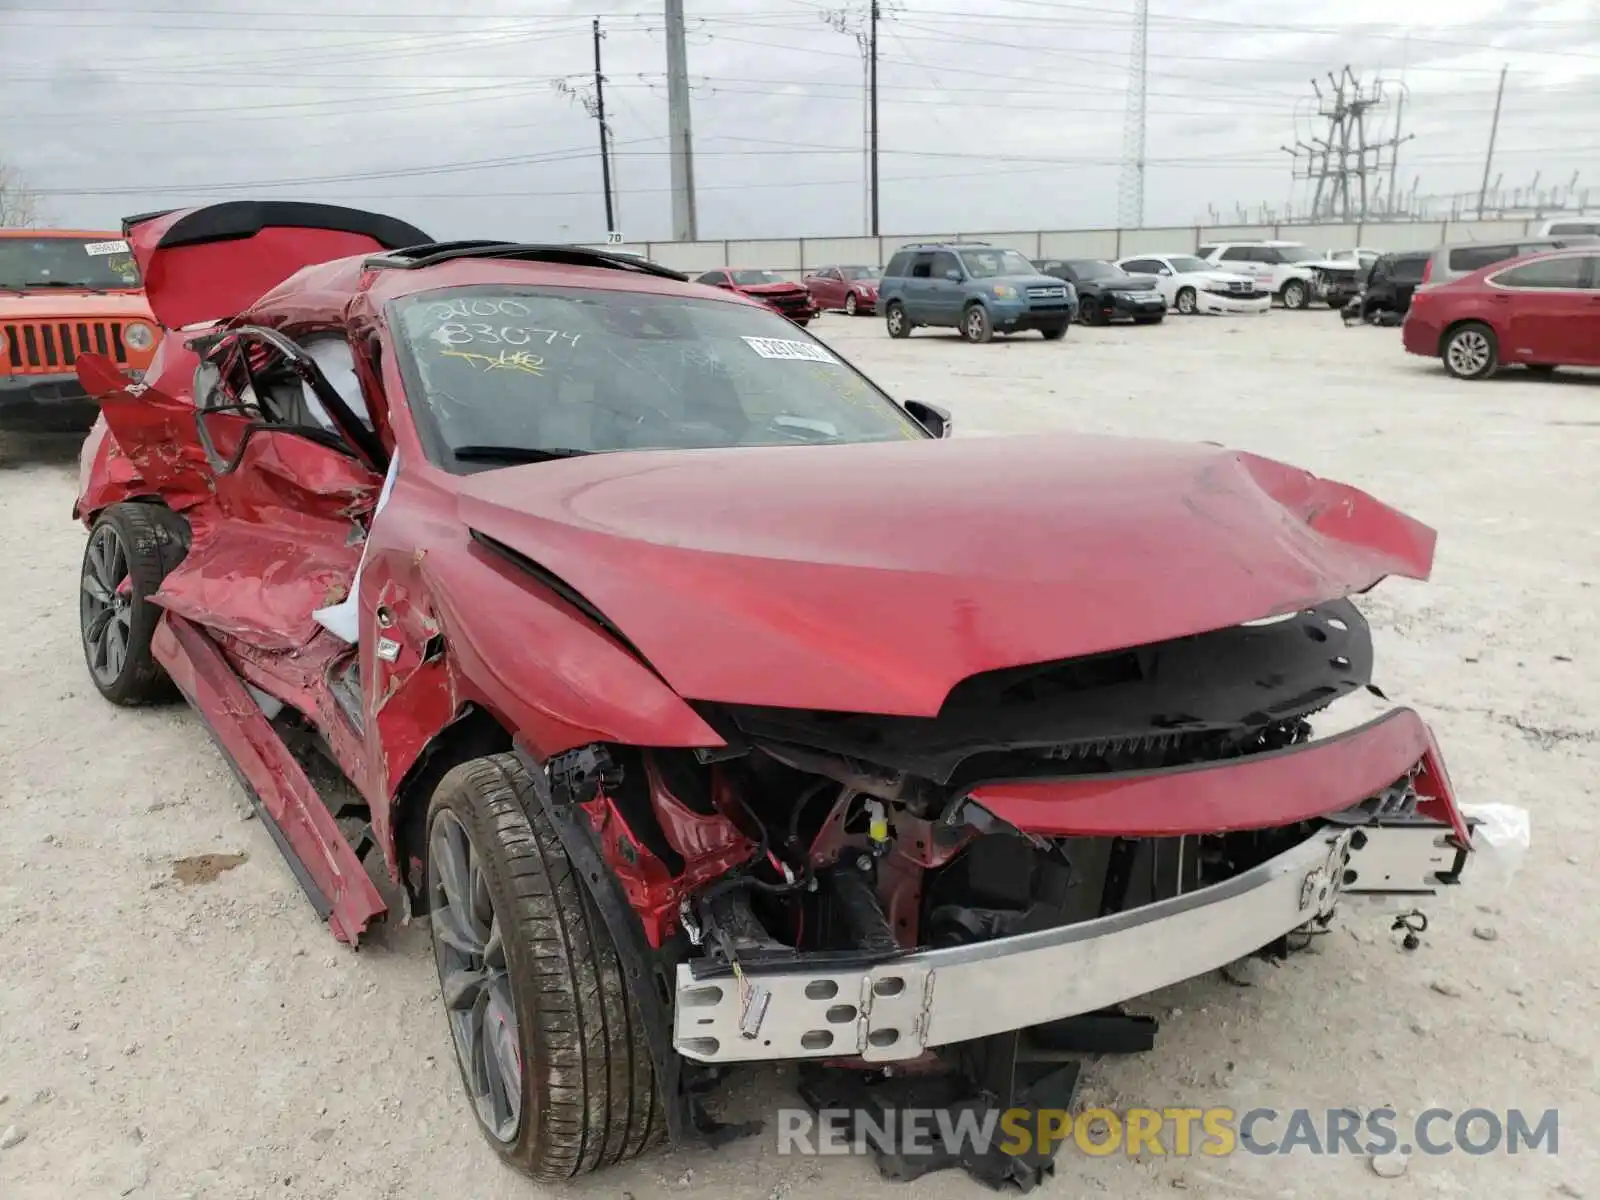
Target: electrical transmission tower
[[1342, 166], [1130, 189]]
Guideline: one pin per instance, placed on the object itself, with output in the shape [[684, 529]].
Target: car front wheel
[[975, 324], [850, 305], [1471, 351], [1186, 301], [1054, 333], [1295, 294], [550, 1043]]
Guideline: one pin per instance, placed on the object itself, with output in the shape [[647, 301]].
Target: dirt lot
[[171, 1028]]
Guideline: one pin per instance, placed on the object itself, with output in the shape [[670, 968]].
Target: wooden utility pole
[[1494, 129], [605, 134]]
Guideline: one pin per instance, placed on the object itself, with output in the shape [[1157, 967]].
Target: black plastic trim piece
[[235, 220]]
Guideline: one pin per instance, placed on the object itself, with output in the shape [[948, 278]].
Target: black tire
[[851, 305], [1054, 333], [131, 549], [1185, 301], [802, 321], [1093, 312], [1295, 294], [975, 324], [896, 321], [1155, 320], [587, 1088], [1470, 351]]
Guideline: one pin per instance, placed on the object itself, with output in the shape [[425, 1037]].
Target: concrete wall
[[792, 257]]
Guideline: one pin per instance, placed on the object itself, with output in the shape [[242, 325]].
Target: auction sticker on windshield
[[785, 348], [100, 249]]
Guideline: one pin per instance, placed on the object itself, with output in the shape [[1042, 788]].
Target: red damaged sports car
[[713, 706], [793, 300]]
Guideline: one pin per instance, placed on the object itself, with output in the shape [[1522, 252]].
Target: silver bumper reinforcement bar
[[896, 1009]]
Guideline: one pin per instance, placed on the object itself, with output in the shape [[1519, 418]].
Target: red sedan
[[1540, 312], [792, 300], [850, 289]]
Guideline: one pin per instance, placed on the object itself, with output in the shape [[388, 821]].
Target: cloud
[[1012, 121]]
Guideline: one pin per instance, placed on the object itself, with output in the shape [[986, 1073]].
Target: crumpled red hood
[[873, 578], [770, 289]]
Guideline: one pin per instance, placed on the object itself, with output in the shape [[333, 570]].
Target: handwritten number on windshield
[[456, 333]]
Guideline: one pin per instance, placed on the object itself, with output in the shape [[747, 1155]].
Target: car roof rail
[[936, 245], [414, 258]]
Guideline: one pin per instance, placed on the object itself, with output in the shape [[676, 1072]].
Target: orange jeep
[[64, 293]]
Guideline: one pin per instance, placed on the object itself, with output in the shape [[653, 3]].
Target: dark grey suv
[[977, 288]]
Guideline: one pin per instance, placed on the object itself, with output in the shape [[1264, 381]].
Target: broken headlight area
[[862, 834]]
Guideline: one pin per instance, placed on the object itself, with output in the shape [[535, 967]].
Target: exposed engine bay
[[837, 832]]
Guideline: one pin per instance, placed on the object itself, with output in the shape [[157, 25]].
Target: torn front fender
[[544, 668]]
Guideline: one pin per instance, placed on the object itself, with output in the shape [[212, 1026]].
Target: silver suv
[[1463, 258]]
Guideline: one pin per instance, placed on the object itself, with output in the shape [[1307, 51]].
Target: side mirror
[[953, 275], [1163, 270], [931, 417]]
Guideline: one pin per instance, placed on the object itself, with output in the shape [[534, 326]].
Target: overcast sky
[[451, 113]]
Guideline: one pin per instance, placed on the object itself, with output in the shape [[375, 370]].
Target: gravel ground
[[172, 1029]]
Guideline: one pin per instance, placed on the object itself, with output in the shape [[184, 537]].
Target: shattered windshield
[[498, 372], [53, 261], [988, 264]]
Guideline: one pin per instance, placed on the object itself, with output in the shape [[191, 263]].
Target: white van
[[1560, 225]]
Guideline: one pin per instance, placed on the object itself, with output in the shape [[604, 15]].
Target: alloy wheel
[[470, 953], [850, 305], [105, 605], [1186, 302], [1468, 352]]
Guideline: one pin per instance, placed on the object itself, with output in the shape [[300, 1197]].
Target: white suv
[[1288, 270]]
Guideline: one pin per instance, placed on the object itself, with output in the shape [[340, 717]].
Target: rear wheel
[[975, 324], [1186, 301], [1295, 294], [1470, 351], [550, 1044], [131, 548], [896, 321]]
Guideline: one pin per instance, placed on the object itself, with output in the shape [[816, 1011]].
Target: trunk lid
[[207, 264]]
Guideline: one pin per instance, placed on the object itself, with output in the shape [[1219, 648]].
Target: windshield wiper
[[67, 283], [515, 454]]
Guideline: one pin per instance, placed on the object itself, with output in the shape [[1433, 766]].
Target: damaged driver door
[[294, 473]]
